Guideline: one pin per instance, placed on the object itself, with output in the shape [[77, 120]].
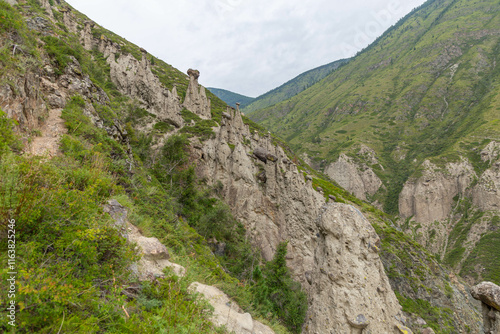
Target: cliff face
[[333, 249]]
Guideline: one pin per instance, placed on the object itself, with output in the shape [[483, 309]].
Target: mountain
[[293, 87], [231, 98], [411, 124], [126, 187]]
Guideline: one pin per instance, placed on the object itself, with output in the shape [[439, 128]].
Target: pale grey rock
[[119, 214], [261, 154], [135, 79], [428, 330], [228, 313], [331, 248], [430, 198], [359, 180], [196, 99], [488, 293]]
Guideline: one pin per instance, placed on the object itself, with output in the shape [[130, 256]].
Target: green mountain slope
[[426, 84], [231, 98], [426, 90], [293, 87]]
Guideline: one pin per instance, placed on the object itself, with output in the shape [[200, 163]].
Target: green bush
[[276, 292], [8, 141]]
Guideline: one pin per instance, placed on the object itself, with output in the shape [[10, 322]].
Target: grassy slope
[[293, 87], [231, 98]]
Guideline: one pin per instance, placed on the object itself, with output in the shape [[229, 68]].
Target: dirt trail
[[48, 142]]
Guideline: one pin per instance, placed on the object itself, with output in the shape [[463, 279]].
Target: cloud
[[247, 46]]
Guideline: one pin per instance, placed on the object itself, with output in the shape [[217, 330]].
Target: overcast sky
[[247, 46]]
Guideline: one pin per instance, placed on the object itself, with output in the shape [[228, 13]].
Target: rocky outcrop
[[196, 97], [332, 249], [37, 92], [486, 193], [430, 197], [489, 294], [135, 79], [227, 313], [358, 179]]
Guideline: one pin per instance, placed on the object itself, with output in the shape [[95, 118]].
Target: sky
[[247, 46]]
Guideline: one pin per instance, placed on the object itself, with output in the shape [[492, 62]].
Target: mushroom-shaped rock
[[226, 115], [332, 198], [193, 73], [488, 293], [309, 178]]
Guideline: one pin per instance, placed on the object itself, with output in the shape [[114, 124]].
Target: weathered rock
[[262, 177], [488, 293], [196, 99], [135, 79], [358, 179], [330, 249], [119, 215], [260, 153], [403, 329], [359, 322], [228, 313], [430, 198], [333, 198], [428, 330]]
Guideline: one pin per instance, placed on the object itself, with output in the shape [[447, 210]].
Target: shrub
[[276, 291]]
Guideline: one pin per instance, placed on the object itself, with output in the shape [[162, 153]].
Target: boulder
[[228, 313], [261, 154], [488, 293]]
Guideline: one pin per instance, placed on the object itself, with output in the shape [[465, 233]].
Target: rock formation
[[332, 248], [360, 180], [489, 294], [135, 78], [196, 98], [228, 313]]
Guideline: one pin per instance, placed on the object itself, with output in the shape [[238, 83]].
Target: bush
[[275, 291]]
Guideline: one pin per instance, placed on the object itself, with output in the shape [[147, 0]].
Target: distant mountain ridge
[[412, 124], [231, 98], [293, 86]]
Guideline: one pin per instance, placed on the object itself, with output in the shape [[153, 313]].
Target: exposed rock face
[[489, 294], [360, 180], [196, 98], [228, 313], [37, 93], [486, 193], [332, 248], [135, 78], [430, 197]]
